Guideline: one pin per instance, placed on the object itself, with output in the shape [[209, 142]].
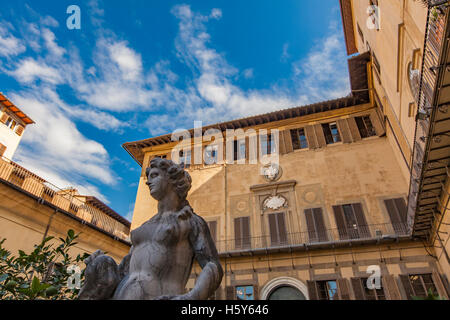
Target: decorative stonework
[[275, 202], [272, 172]]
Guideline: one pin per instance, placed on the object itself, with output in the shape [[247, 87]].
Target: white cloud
[[248, 73], [30, 70], [285, 54], [9, 45], [129, 62]]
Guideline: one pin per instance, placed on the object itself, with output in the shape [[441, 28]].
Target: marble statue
[[163, 249]]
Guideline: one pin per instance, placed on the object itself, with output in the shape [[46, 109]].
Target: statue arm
[[206, 255]]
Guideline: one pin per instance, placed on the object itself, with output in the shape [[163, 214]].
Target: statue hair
[[178, 177]]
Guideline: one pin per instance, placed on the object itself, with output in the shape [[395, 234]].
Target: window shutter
[[320, 225], [2, 150], [213, 229], [439, 285], [363, 228], [4, 117], [311, 137], [358, 289], [343, 287], [230, 293], [354, 131], [401, 207], [320, 136], [390, 287], [310, 225], [237, 233], [287, 141], [312, 290], [256, 292], [407, 286], [19, 130], [375, 119], [245, 225], [340, 222], [344, 130], [273, 228], [282, 227], [283, 142]]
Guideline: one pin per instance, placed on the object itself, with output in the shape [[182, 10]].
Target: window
[[2, 150], [315, 225], [164, 156], [242, 232], [397, 210], [185, 158], [418, 285], [239, 149], [212, 225], [267, 144], [277, 228], [331, 132], [411, 109], [245, 293], [13, 125], [365, 127], [8, 122], [351, 222], [327, 290], [286, 293], [299, 139], [360, 33], [376, 63], [362, 292], [211, 153]]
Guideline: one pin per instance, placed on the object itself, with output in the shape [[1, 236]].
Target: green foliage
[[430, 296], [42, 274]]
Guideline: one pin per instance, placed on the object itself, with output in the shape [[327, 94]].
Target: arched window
[[286, 293]]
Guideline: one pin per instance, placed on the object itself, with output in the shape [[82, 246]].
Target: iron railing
[[311, 238], [64, 199], [434, 38]]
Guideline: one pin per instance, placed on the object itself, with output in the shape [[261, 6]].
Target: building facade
[[32, 208], [12, 126], [340, 207]]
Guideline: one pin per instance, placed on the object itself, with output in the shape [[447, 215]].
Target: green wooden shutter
[[237, 233], [363, 228], [287, 141]]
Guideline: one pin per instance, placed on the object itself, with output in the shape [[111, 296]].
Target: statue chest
[[162, 229]]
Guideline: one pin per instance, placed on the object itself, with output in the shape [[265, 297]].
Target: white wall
[[10, 139]]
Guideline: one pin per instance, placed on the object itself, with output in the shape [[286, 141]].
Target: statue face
[[158, 183]]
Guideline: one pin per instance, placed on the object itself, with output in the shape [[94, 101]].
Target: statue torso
[[162, 258]]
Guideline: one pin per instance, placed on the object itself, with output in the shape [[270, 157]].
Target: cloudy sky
[[141, 68]]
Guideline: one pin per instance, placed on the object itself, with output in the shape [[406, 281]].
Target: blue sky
[[142, 68]]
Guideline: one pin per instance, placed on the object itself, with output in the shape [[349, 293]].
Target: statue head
[[164, 176]]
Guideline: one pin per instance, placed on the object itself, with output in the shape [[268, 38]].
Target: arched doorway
[[284, 288]]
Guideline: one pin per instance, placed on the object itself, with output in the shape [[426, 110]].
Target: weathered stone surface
[[163, 249]]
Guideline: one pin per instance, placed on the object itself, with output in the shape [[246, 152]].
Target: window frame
[[328, 133]]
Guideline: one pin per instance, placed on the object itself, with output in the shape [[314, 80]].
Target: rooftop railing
[[65, 200], [330, 237]]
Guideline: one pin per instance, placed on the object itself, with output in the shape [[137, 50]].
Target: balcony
[[88, 210], [431, 155], [375, 233]]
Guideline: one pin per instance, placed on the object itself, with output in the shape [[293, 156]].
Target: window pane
[[242, 149], [335, 132], [302, 137], [327, 133], [332, 290], [245, 293], [361, 127]]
